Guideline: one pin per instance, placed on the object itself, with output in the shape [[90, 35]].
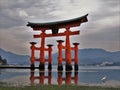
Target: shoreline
[[56, 87], [16, 67], [18, 81]]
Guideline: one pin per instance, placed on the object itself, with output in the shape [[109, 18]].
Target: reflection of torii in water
[[41, 77], [68, 78], [55, 26]]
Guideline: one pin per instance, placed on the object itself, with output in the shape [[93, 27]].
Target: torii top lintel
[[55, 26]]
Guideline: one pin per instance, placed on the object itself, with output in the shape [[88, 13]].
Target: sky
[[101, 31]]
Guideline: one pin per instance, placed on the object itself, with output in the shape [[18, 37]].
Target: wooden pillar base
[[32, 67], [42, 67], [60, 68], [68, 67], [76, 67], [49, 66]]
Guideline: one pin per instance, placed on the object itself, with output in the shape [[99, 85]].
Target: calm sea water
[[86, 74]]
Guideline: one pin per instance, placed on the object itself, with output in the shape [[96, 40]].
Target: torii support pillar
[[32, 59], [49, 56], [76, 56], [60, 67]]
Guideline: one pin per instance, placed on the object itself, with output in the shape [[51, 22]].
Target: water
[[85, 75]]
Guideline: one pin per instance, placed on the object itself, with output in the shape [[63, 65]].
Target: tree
[[0, 58], [3, 61]]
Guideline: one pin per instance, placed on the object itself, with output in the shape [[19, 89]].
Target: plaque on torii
[[54, 27]]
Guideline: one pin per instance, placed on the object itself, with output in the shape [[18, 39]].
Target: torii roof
[[59, 24]]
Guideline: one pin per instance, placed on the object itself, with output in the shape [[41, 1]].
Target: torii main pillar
[[68, 50]]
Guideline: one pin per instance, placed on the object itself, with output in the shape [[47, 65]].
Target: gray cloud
[[10, 11], [113, 34], [101, 31], [108, 8]]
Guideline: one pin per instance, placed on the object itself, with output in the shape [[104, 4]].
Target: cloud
[[22, 13], [17, 12], [16, 39], [65, 9], [102, 29], [10, 18]]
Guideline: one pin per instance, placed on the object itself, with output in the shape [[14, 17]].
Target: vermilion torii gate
[[54, 27]]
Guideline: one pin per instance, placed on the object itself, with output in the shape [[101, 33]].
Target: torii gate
[[55, 26]]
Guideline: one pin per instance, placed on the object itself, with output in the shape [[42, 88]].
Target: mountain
[[86, 57], [14, 58], [92, 56], [98, 56]]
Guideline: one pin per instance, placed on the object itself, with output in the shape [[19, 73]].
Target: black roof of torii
[[59, 24]]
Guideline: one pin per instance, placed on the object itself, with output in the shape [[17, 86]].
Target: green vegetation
[[3, 61], [56, 87]]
